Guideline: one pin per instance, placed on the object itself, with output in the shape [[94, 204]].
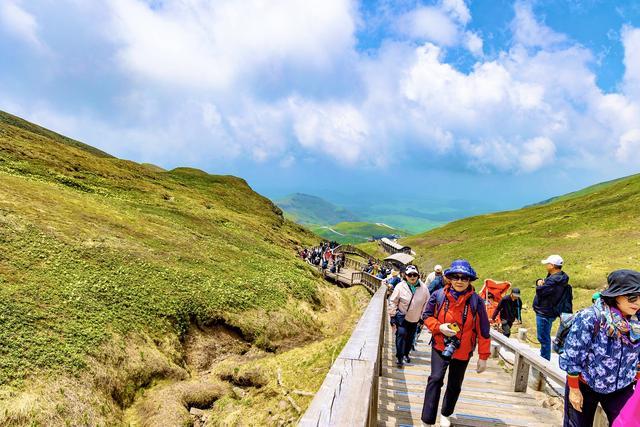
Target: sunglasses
[[412, 275], [459, 278], [633, 298]]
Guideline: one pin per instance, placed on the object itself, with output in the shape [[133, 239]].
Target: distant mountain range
[[335, 222], [311, 210]]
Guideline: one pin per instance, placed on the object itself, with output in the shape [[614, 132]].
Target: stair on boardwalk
[[486, 399]]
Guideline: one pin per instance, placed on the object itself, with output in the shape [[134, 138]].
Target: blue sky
[[500, 103]]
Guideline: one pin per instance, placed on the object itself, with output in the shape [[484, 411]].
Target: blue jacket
[[605, 363], [554, 297]]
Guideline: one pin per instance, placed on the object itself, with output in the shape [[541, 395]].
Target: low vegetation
[[596, 230], [106, 266]]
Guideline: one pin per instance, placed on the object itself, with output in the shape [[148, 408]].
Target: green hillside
[[115, 277], [596, 231], [312, 210], [356, 232]]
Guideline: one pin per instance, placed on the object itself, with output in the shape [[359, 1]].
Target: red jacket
[[475, 330]]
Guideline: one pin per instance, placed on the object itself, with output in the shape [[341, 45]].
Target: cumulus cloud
[[19, 23], [443, 24], [216, 44], [197, 89], [431, 24], [631, 42], [528, 31], [629, 149]]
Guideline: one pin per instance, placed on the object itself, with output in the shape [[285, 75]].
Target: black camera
[[451, 344]]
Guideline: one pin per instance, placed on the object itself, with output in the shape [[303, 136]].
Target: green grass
[[355, 232], [95, 250], [596, 231]]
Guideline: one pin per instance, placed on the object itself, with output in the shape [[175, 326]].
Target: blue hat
[[461, 266]]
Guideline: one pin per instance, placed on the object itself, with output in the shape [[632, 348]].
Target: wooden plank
[[343, 398], [520, 377], [349, 393], [365, 339]]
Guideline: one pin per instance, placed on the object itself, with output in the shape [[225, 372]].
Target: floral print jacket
[[605, 363]]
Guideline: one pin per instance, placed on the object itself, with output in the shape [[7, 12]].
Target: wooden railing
[[349, 394], [526, 358]]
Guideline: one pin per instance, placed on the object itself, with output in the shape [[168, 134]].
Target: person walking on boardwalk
[[553, 298], [435, 280], [405, 307], [602, 352], [510, 310], [457, 319]]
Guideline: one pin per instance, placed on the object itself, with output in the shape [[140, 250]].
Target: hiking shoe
[[445, 421], [407, 359], [400, 363]]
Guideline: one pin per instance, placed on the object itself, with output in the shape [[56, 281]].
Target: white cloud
[[631, 42], [442, 24], [216, 44], [629, 149], [339, 130], [20, 23], [529, 32], [197, 90], [473, 43], [535, 153], [458, 10], [430, 24]]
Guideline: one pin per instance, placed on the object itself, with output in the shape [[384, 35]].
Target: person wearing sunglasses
[[405, 307], [457, 319], [602, 352]]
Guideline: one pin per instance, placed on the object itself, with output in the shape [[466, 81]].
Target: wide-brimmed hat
[[461, 266], [622, 282]]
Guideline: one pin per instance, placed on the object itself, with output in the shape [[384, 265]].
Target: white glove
[[446, 330], [482, 366]]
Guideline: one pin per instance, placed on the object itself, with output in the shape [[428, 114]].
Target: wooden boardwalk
[[486, 399]]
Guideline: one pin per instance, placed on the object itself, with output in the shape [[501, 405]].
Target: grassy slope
[[355, 232], [97, 253], [596, 231]]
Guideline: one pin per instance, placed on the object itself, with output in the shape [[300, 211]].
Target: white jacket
[[410, 304]]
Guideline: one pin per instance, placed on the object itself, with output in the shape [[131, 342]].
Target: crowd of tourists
[[324, 256], [599, 346]]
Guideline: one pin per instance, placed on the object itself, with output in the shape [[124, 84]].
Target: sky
[[486, 102]]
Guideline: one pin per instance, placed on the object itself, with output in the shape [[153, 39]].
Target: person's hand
[[446, 330], [482, 366], [575, 397], [517, 322]]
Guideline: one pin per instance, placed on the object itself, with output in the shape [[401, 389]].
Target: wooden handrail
[[349, 394], [526, 358]]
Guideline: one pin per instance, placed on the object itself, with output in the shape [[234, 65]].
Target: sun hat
[[622, 282], [461, 266], [554, 259], [437, 268]]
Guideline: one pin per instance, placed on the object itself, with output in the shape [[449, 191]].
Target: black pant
[[506, 328], [439, 367], [405, 333], [612, 403]]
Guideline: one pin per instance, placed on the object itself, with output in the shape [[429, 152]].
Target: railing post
[[495, 350], [522, 334], [520, 377]]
